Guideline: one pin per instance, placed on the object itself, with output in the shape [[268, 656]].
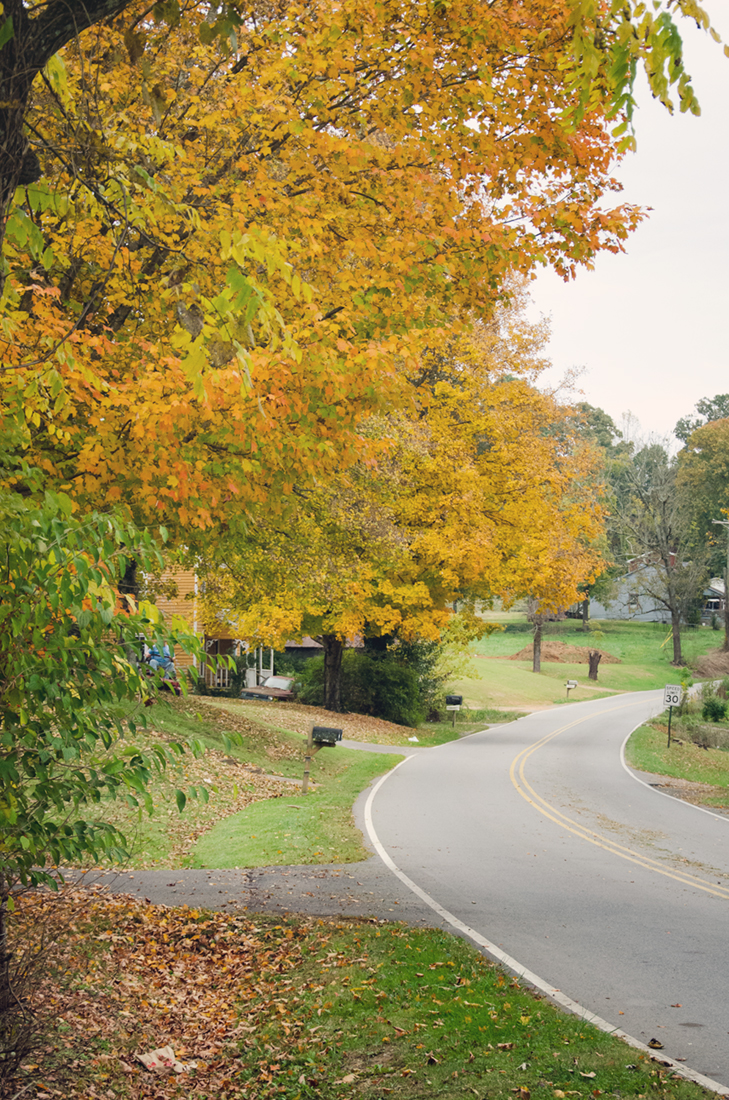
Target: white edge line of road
[[515, 967], [664, 794]]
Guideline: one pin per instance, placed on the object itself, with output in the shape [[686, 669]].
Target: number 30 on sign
[[672, 695]]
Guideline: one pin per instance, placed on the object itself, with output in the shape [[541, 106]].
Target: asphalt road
[[537, 839]]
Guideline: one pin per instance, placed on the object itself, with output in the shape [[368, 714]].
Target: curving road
[[538, 839]]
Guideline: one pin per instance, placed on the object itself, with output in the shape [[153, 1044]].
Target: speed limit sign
[[672, 695]]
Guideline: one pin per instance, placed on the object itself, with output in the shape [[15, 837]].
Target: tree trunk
[[37, 34], [333, 649], [676, 632], [726, 609], [129, 583], [537, 658], [594, 657], [586, 614]]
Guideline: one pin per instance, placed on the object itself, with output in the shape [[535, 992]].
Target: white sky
[[650, 327]]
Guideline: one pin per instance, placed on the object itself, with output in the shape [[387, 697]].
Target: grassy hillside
[[253, 812], [644, 651]]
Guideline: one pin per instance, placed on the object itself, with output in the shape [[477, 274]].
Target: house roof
[[305, 643]]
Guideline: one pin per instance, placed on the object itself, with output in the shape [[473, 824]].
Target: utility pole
[[725, 523]]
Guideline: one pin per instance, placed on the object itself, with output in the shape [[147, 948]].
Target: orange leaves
[[245, 250], [197, 982], [479, 492]]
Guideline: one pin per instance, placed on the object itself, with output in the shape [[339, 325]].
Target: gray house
[[632, 600]]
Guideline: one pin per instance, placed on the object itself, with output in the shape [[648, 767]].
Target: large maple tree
[[478, 492], [248, 228]]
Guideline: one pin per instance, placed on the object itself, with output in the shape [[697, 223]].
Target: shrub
[[371, 683], [714, 709]]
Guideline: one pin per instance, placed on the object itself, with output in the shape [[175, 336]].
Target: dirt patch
[[714, 664], [564, 654], [698, 794]]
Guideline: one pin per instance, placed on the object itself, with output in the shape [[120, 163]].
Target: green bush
[[372, 683], [714, 709]]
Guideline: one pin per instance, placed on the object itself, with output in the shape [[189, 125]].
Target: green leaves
[[6, 32], [69, 654], [610, 43]]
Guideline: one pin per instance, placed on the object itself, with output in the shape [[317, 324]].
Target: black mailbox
[[454, 700], [325, 735]]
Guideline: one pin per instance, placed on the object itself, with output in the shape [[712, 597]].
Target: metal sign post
[[671, 699]]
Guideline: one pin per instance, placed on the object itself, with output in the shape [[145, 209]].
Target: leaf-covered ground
[[269, 1008], [251, 770], [298, 718]]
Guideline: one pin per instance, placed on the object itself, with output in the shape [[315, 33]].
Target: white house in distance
[[633, 603]]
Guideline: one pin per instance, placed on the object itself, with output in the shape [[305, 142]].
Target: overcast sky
[[650, 327]]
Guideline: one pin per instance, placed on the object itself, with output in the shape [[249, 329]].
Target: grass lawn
[[644, 650], [470, 719], [295, 828], [704, 773], [279, 1009], [513, 684], [251, 816]]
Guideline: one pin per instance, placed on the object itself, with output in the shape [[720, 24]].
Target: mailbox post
[[320, 737], [454, 703], [569, 685]]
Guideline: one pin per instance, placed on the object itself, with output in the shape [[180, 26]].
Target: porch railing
[[217, 675]]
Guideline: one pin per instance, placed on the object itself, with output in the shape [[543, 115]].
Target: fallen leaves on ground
[[134, 977], [230, 716], [698, 794], [299, 719], [713, 665]]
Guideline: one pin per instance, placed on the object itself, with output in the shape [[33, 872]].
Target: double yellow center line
[[527, 792]]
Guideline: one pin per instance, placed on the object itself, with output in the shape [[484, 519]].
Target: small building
[[631, 600]]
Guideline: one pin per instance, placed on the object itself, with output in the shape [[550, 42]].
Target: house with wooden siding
[[217, 641]]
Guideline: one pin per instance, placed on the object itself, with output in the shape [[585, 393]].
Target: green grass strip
[[378, 1011], [648, 751], [314, 828]]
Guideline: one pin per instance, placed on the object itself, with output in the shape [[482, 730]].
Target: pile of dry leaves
[[125, 978]]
